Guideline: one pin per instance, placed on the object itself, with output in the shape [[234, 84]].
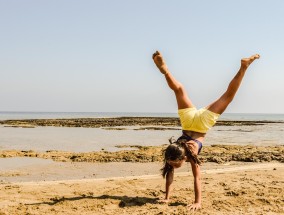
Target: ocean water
[[59, 115], [96, 139]]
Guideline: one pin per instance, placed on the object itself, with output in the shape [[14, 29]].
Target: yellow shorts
[[200, 120]]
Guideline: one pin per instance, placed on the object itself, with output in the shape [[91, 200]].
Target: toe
[[256, 56], [155, 54]]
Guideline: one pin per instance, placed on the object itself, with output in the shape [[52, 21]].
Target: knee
[[179, 89]]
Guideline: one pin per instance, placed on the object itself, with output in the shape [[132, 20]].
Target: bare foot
[[160, 63], [245, 62]]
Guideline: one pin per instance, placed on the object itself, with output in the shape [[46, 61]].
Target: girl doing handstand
[[195, 123]]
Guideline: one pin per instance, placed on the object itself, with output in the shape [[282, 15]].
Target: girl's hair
[[177, 149], [174, 151]]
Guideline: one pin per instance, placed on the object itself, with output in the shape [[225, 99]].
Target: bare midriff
[[195, 135]]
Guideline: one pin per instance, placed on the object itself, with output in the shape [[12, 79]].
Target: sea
[[42, 139], [97, 139]]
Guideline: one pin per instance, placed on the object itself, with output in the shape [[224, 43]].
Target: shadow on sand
[[125, 201]]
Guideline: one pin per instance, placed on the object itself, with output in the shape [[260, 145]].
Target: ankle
[[243, 68], [164, 70]]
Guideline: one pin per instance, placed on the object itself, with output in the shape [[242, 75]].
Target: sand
[[257, 189], [229, 186]]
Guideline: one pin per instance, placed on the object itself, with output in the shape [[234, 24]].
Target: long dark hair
[[173, 152], [177, 149]]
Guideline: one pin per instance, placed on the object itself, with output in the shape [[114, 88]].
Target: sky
[[96, 56]]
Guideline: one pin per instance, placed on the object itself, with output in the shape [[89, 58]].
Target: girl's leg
[[183, 100], [221, 104]]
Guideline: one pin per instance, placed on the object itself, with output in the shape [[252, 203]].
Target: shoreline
[[145, 154], [58, 165], [120, 122]]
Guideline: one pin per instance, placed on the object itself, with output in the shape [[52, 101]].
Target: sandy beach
[[253, 189]]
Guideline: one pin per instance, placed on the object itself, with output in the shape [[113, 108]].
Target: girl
[[195, 123]]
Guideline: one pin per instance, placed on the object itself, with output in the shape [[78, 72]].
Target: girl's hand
[[194, 207], [163, 201]]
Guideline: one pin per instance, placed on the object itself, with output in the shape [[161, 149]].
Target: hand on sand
[[160, 63], [194, 207], [247, 61], [163, 201]]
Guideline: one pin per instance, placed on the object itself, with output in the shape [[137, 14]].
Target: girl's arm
[[197, 186], [169, 181]]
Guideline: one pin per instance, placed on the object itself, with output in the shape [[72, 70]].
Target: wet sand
[[240, 190], [25, 169]]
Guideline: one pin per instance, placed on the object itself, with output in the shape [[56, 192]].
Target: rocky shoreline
[[215, 153], [118, 121]]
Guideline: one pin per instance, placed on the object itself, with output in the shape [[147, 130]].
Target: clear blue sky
[[96, 55]]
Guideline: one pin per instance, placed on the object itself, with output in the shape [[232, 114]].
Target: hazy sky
[[66, 55]]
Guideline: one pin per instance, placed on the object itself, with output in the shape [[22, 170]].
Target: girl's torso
[[194, 140], [195, 135]]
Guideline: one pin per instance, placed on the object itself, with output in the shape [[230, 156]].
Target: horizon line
[[154, 112]]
